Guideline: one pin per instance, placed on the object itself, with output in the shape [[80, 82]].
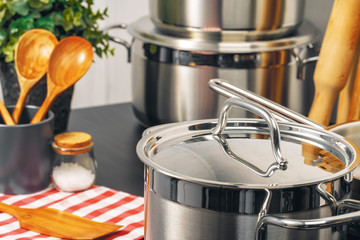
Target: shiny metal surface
[[250, 18], [309, 224], [168, 220], [194, 191], [144, 30], [171, 84], [188, 151], [274, 132], [280, 112]]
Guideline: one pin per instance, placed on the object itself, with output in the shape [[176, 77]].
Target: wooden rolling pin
[[335, 58], [354, 109]]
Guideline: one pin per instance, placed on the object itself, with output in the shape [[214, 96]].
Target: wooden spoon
[[58, 223], [335, 58], [32, 55], [69, 61], [6, 115]]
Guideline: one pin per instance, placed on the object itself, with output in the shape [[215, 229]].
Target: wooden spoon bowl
[[69, 61], [32, 56]]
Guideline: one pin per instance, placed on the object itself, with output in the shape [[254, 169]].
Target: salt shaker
[[74, 166]]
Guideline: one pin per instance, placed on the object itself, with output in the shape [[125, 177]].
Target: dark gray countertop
[[115, 132]]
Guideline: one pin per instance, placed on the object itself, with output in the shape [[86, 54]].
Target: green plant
[[62, 17]]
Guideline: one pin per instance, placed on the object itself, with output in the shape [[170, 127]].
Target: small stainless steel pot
[[170, 74], [250, 19], [245, 179]]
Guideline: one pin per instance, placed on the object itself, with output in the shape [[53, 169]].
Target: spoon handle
[[19, 107], [44, 108], [6, 115]]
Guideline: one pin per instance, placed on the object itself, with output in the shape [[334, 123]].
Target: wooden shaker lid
[[73, 141]]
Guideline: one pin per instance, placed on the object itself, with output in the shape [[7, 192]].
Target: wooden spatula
[[58, 223]]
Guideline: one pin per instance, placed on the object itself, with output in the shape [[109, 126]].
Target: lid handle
[[281, 162]]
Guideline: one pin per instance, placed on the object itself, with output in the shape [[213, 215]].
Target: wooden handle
[[10, 209], [25, 87], [335, 58], [343, 106], [52, 92], [6, 115], [354, 110]]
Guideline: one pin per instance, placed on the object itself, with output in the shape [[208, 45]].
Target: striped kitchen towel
[[99, 203]]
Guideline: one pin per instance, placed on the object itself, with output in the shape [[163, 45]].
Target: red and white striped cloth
[[98, 203]]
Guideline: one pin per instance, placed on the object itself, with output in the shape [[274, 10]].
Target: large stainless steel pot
[[228, 179], [170, 74], [249, 19]]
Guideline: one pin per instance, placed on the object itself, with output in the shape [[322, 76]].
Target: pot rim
[[144, 30], [153, 136]]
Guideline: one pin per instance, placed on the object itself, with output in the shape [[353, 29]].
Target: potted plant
[[61, 17]]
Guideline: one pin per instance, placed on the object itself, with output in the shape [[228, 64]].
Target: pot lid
[[242, 152], [349, 130], [144, 30]]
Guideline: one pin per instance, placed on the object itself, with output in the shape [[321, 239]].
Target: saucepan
[[350, 130], [235, 178], [170, 74]]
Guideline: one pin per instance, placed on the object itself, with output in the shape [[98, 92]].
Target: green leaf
[[35, 14], [62, 17], [40, 5], [45, 23], [68, 14], [23, 24], [67, 25], [9, 49], [2, 14], [3, 36], [57, 17], [21, 7], [77, 21]]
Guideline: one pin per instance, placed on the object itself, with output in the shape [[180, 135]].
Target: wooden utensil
[[6, 115], [354, 110], [58, 223], [335, 58], [32, 55], [345, 96], [69, 61]]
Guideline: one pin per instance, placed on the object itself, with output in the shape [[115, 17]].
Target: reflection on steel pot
[[251, 19], [205, 179], [351, 131], [170, 75]]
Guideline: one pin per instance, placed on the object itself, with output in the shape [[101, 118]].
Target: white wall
[[109, 80]]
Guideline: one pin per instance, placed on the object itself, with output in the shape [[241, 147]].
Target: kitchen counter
[[115, 132]]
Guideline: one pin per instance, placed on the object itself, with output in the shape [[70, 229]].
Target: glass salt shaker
[[74, 166]]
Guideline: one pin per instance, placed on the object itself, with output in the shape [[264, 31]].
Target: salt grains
[[72, 177]]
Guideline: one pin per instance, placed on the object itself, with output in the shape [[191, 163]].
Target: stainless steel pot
[[170, 74], [228, 179], [249, 19]]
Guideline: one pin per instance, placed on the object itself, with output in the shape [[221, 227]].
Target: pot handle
[[281, 162], [311, 224], [118, 40], [280, 112], [301, 63]]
